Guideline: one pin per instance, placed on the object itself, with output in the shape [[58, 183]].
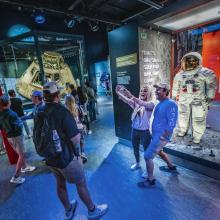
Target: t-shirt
[[141, 118], [11, 123], [16, 106], [65, 121], [165, 117]]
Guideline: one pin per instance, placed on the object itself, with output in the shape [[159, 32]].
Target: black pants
[[138, 137]]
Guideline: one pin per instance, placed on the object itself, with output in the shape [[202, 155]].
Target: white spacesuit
[[193, 88]]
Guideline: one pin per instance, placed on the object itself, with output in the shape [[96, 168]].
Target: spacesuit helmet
[[191, 61]]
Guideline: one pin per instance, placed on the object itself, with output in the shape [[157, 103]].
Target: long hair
[[149, 92], [70, 103], [81, 95]]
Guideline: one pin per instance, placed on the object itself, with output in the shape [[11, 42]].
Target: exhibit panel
[[123, 51]]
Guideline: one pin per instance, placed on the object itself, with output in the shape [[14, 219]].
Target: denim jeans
[[138, 137]]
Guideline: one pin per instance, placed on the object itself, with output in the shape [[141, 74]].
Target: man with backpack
[[11, 123], [57, 139]]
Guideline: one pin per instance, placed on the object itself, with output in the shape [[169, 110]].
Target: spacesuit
[[193, 88]]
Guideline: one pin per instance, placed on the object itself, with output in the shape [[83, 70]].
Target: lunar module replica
[[55, 69]]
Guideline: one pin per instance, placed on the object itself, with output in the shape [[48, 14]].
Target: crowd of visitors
[[59, 134]]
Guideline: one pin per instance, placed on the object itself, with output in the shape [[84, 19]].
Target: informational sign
[[123, 78], [154, 56], [127, 60], [151, 67]]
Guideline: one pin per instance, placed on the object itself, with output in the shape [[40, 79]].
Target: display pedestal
[[209, 167], [200, 162]]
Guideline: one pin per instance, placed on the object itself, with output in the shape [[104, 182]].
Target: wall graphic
[[154, 56]]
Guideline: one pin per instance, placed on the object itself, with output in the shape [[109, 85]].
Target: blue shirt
[[165, 117], [37, 108], [11, 123]]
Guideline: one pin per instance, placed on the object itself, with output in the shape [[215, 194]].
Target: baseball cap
[[37, 93], [51, 87], [162, 85]]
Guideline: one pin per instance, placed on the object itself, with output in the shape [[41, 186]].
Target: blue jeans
[[138, 137]]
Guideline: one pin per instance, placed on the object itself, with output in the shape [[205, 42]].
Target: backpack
[[58, 151]]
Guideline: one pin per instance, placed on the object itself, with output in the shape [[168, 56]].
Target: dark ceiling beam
[[171, 10], [67, 13], [73, 6], [116, 7], [100, 3], [137, 14], [151, 4]]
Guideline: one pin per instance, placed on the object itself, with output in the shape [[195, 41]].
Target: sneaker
[[168, 169], [99, 211], [28, 169], [146, 183], [70, 213], [89, 132], [84, 157], [17, 180], [144, 175], [135, 166]]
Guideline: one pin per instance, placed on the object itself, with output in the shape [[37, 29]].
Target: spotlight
[[39, 17], [70, 23], [94, 26]]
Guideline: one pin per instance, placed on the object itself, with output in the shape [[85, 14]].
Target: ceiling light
[[198, 15], [70, 23], [39, 16], [94, 26], [151, 4]]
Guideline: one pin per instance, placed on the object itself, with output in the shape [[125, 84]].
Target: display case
[[31, 59], [197, 135]]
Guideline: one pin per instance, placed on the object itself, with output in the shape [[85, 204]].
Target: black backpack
[[43, 140]]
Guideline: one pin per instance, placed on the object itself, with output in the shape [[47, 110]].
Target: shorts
[[17, 144], [155, 146], [73, 173]]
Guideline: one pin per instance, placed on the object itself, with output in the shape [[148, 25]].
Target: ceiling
[[113, 12]]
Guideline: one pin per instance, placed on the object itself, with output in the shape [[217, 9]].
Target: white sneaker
[[69, 214], [89, 132], [17, 180], [144, 175], [135, 166], [28, 168], [99, 211]]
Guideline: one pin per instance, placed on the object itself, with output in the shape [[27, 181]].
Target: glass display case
[[198, 95], [30, 59]]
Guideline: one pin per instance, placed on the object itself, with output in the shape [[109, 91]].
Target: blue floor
[[187, 195]]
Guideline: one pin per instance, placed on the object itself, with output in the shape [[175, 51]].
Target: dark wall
[[123, 41], [96, 44]]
